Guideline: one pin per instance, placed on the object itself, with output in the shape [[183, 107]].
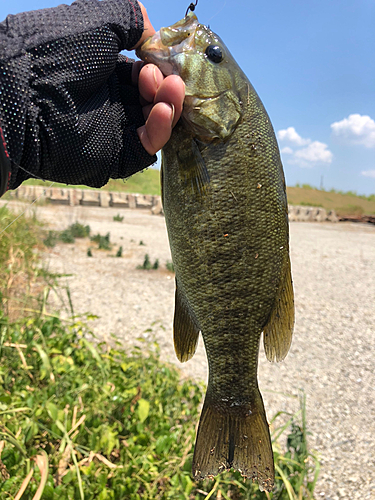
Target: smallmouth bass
[[225, 205]]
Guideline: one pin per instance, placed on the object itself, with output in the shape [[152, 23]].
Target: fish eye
[[214, 54]]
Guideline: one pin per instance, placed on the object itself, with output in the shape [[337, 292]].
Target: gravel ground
[[332, 355]]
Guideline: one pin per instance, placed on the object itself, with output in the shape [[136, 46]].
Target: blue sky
[[312, 64]]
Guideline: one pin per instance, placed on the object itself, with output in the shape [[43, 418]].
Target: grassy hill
[[148, 182], [344, 203]]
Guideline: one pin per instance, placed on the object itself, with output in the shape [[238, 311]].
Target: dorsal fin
[[185, 328], [277, 334]]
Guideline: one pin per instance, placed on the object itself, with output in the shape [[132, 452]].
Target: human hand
[[162, 100], [91, 127]]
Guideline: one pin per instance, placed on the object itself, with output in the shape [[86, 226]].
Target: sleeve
[[68, 111]]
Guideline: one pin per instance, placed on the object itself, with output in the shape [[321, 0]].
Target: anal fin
[[185, 328], [277, 334]]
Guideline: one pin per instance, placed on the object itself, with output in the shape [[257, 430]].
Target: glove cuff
[[5, 165], [133, 157]]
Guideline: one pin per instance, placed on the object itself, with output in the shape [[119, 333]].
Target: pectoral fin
[[185, 329], [277, 334], [194, 172]]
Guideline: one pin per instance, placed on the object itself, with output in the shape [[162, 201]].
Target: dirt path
[[332, 355]]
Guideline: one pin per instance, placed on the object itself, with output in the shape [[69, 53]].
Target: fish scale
[[225, 206]]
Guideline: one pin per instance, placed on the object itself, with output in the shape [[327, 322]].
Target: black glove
[[68, 110]]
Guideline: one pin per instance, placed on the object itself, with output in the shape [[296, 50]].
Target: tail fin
[[235, 437]]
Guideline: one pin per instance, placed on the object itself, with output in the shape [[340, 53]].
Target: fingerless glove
[[68, 110]]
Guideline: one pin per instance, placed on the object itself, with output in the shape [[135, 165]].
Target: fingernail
[[155, 77], [173, 112]]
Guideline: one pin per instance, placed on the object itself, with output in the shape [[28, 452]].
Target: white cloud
[[368, 173], [359, 129], [287, 151], [291, 135], [312, 153], [316, 152]]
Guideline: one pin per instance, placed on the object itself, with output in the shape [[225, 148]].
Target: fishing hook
[[191, 7]]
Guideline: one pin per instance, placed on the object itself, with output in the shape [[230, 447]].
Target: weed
[[119, 252], [20, 271], [102, 241], [66, 236], [115, 424], [170, 266], [79, 230], [118, 218], [142, 244], [51, 240], [89, 252], [147, 264]]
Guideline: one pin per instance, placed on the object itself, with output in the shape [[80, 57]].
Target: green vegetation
[[87, 420], [118, 218], [102, 241], [119, 252], [113, 425], [348, 203], [19, 271], [68, 235], [78, 230], [146, 182], [169, 266], [147, 264]]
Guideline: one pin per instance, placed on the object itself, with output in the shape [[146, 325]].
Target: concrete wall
[[88, 197]]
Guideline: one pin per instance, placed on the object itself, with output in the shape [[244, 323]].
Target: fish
[[226, 212]]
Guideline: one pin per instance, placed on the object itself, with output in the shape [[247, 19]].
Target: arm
[[69, 111]]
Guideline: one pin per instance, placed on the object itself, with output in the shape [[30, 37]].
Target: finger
[[172, 90], [158, 128], [150, 79], [146, 110], [136, 68]]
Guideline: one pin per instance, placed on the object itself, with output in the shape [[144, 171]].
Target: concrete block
[[157, 208], [143, 201], [75, 197], [332, 216], [321, 215], [39, 192], [59, 196], [119, 200], [105, 198], [90, 198], [292, 212], [132, 201]]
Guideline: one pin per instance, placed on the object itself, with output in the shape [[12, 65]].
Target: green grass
[[146, 182], [87, 420], [19, 270], [111, 424], [102, 241], [343, 203], [68, 235]]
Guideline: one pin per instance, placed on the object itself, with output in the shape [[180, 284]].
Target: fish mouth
[[166, 46]]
